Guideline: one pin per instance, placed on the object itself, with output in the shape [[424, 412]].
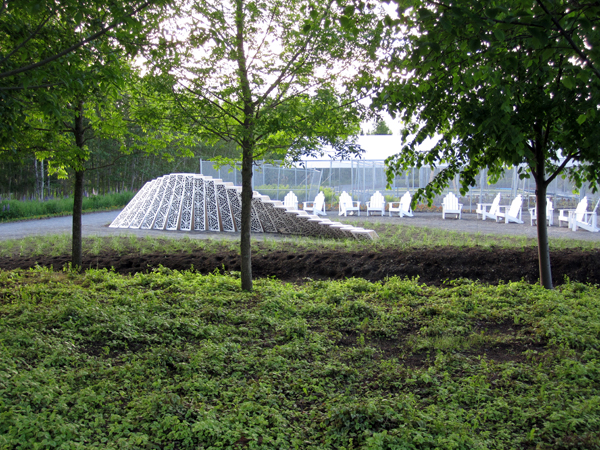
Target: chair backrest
[[291, 200], [319, 202], [515, 206], [581, 209], [596, 207], [377, 200], [405, 201], [450, 201], [549, 207], [495, 204]]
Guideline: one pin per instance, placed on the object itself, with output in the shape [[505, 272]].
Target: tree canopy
[[505, 83]]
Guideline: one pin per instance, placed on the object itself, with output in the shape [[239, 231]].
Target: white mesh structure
[[191, 202]]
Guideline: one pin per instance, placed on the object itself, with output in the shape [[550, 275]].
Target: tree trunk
[[245, 234], [77, 252], [247, 144], [542, 232]]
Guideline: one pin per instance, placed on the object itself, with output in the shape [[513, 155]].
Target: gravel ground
[[97, 224]]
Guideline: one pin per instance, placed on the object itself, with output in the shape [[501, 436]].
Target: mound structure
[[191, 202]]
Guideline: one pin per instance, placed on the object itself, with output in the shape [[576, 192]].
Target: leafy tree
[[380, 128], [505, 83], [37, 38], [271, 77]]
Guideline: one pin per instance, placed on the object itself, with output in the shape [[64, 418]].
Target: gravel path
[[97, 224]]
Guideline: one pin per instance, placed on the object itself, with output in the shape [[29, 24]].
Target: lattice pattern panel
[[212, 209], [123, 219], [199, 204], [224, 208], [148, 221], [144, 206], [255, 225], [175, 208], [283, 222], [235, 202], [187, 203], [264, 214], [320, 227], [163, 209]]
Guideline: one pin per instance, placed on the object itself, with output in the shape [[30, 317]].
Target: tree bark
[[246, 231], [542, 229], [76, 250]]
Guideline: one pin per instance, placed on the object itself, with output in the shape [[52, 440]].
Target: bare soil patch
[[433, 266]]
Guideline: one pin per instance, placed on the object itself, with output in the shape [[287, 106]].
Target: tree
[[38, 36], [505, 83], [380, 128], [271, 77]]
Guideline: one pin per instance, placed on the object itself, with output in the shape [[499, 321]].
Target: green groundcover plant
[[176, 360]]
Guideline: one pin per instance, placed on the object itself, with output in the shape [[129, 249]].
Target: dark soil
[[432, 266]]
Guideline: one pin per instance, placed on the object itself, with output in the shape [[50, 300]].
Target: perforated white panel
[[143, 207], [163, 209], [148, 221], [224, 208], [255, 225], [175, 208], [187, 203], [212, 211], [235, 201], [264, 214], [128, 213], [199, 204]]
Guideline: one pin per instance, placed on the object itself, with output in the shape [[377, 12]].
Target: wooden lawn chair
[[549, 213], [566, 215], [512, 213], [403, 206], [376, 204], [482, 208], [290, 200], [317, 207], [450, 205], [587, 220], [347, 205]]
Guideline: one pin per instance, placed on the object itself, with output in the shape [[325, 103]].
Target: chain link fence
[[361, 178]]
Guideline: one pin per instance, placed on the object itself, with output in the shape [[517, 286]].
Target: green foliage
[[15, 209], [177, 360]]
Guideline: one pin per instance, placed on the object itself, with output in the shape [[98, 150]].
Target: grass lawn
[[176, 360]]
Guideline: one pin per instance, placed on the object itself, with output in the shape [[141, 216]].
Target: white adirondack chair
[[317, 207], [450, 205], [549, 213], [290, 200], [403, 206], [566, 215], [482, 208], [587, 220], [347, 205], [512, 213], [376, 204]]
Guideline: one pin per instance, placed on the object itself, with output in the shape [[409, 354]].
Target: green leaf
[[499, 34], [581, 119], [474, 44], [569, 82]]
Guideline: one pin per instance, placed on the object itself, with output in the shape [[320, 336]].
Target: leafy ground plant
[[176, 360]]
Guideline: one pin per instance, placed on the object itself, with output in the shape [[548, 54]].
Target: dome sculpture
[[192, 202]]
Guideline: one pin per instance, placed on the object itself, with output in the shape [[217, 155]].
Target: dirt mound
[[432, 265]]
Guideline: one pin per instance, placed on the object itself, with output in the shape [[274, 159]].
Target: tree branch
[[568, 38]]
